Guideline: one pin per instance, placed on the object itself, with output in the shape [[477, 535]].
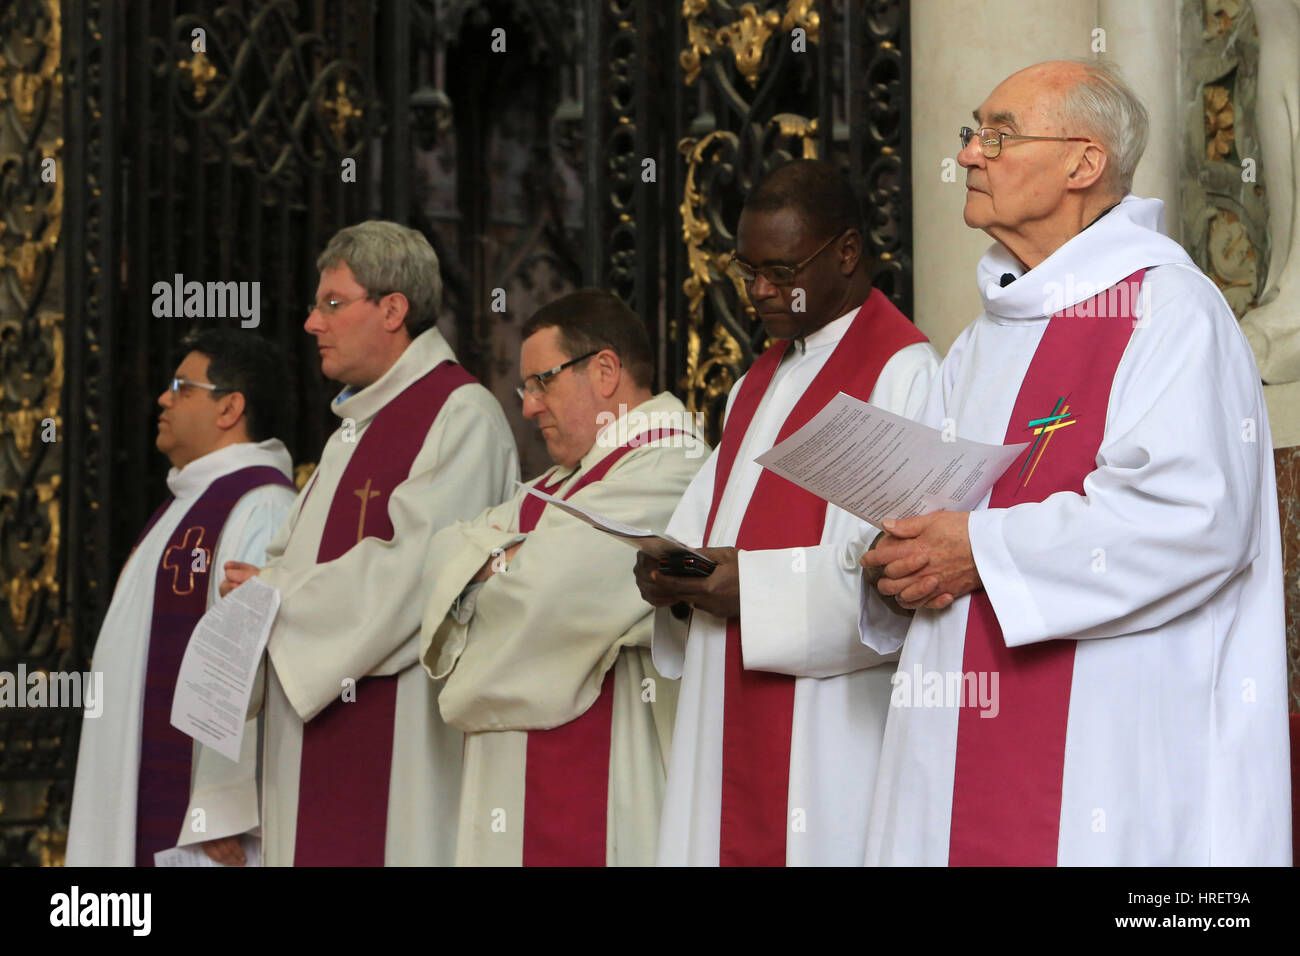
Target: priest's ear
[[1090, 169], [609, 369], [849, 252], [231, 407], [395, 306]]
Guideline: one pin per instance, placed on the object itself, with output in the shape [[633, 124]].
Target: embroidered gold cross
[[365, 494], [192, 539]]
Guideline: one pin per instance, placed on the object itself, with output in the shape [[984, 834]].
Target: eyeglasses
[[331, 304], [991, 139], [178, 383], [535, 385], [777, 275]]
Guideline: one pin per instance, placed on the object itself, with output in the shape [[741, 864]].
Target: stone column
[[1142, 42], [961, 50]]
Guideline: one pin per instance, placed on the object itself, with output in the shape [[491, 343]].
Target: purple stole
[[1006, 800], [347, 749], [180, 596]]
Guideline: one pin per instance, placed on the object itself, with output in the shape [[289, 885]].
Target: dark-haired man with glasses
[[358, 768], [781, 707], [534, 621], [229, 491]]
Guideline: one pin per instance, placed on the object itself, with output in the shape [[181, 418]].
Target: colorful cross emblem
[[1044, 428]]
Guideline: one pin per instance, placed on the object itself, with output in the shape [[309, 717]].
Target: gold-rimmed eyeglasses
[[991, 139]]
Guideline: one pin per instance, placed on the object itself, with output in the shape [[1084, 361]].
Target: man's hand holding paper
[[918, 483], [925, 561]]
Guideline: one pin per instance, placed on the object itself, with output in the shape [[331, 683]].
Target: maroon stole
[[1006, 800], [758, 706], [180, 596], [347, 749], [566, 770]]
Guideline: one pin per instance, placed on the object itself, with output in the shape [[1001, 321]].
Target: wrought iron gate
[[539, 144]]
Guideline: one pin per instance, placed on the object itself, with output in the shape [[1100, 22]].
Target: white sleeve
[[668, 640], [799, 607], [250, 528], [1171, 512], [880, 627], [347, 617]]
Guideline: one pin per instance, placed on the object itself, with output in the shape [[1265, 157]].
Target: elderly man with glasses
[[781, 707], [358, 767], [533, 619], [229, 490], [1120, 590]]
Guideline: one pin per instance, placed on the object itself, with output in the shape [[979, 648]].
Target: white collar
[[662, 412], [425, 351], [1126, 239], [828, 334], [194, 478]]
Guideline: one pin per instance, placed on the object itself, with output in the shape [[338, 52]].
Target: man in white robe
[[358, 767], [215, 425], [535, 623], [1096, 671], [784, 781]]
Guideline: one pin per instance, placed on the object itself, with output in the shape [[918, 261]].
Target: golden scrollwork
[[803, 13], [31, 235], [23, 587], [747, 35], [24, 86], [794, 125], [699, 38], [31, 254], [701, 384], [201, 72]]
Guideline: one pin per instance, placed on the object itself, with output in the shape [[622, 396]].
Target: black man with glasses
[[781, 707], [534, 622], [1113, 610], [230, 488]]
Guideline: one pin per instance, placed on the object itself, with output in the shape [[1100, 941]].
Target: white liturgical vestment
[[532, 647], [101, 829], [795, 621], [359, 614], [1165, 573]]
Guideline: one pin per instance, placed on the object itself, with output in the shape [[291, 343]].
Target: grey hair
[[1102, 105], [386, 257]]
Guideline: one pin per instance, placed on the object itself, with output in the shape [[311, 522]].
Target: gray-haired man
[[359, 769], [1096, 670]]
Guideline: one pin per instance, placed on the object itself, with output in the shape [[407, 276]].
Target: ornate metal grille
[[609, 143]]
